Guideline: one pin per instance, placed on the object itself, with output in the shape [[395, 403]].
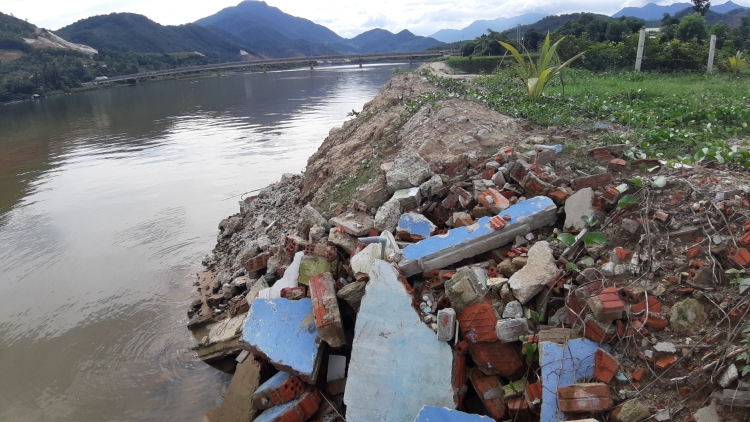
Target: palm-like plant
[[736, 63], [535, 76]]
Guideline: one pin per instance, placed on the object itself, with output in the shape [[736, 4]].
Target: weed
[[736, 63]]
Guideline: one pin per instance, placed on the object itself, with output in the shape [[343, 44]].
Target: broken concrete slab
[[284, 332], [313, 265], [223, 339], [237, 405], [288, 280], [442, 414], [326, 307], [408, 198], [310, 217], [464, 242], [580, 204], [387, 332], [417, 225], [540, 270], [432, 188], [356, 224], [279, 389], [564, 365], [362, 261]]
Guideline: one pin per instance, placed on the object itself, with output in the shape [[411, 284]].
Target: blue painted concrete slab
[[442, 414], [397, 364], [274, 382], [415, 224], [563, 365], [284, 331], [463, 242]]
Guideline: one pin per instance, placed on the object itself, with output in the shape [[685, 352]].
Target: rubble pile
[[477, 277], [459, 292]]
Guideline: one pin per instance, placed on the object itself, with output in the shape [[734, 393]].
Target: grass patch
[[342, 192], [669, 115]]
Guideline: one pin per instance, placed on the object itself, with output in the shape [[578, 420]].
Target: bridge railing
[[305, 59]]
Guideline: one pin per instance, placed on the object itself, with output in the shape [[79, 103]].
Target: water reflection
[[108, 201]]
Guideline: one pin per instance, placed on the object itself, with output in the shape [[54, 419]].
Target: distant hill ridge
[[653, 11], [252, 26]]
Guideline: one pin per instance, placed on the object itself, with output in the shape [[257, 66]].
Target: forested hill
[[136, 33]]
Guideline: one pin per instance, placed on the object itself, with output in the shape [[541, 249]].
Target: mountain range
[[653, 11], [480, 27], [256, 28]]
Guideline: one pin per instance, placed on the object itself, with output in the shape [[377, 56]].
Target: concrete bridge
[[357, 58]]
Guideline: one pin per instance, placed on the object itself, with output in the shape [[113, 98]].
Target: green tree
[[615, 30], [701, 6], [692, 27], [669, 20]]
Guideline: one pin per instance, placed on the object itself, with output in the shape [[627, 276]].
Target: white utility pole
[[711, 53], [641, 44]]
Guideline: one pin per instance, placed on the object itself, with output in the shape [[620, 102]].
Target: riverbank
[[541, 242]]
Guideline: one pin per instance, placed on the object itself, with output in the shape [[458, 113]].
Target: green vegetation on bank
[[50, 71], [670, 115]]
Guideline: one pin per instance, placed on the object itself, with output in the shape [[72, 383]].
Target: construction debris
[[520, 285]]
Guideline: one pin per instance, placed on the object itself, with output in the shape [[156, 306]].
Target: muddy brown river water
[[108, 201]]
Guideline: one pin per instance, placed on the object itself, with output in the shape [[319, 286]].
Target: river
[[109, 199]]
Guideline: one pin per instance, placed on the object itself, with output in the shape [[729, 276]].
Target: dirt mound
[[409, 115]]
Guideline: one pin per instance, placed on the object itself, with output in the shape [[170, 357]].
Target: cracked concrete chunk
[[284, 332], [362, 261], [580, 204], [358, 224], [688, 316], [417, 225], [539, 270], [408, 170], [387, 333], [388, 215]]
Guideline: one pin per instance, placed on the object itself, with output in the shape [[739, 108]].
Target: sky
[[348, 18]]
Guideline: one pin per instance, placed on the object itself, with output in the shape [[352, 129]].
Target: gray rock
[[345, 241], [631, 226], [310, 217], [408, 170], [432, 188], [662, 415], [580, 204], [508, 330], [633, 411], [665, 347], [729, 376], [388, 215], [688, 316], [513, 309], [229, 225], [353, 293], [539, 271], [706, 414], [316, 233]]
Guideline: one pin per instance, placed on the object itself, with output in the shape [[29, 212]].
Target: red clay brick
[[617, 164], [497, 223], [593, 332], [497, 358], [638, 373], [693, 251], [605, 366], [584, 398], [284, 393], [518, 409], [742, 257], [534, 391], [593, 182], [490, 390], [653, 306], [666, 361], [654, 321], [492, 198], [460, 370], [477, 323], [558, 196], [622, 253]]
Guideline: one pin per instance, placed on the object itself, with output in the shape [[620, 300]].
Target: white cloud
[[346, 17]]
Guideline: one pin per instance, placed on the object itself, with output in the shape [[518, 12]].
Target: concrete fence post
[[641, 44], [711, 53]]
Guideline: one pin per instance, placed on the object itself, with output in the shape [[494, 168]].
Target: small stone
[[513, 310], [630, 225], [539, 271], [662, 415], [730, 376], [665, 347], [509, 330], [633, 411], [352, 293], [688, 316]]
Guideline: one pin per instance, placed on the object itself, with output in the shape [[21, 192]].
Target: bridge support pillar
[[409, 61], [311, 65], [264, 68], [360, 62]]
